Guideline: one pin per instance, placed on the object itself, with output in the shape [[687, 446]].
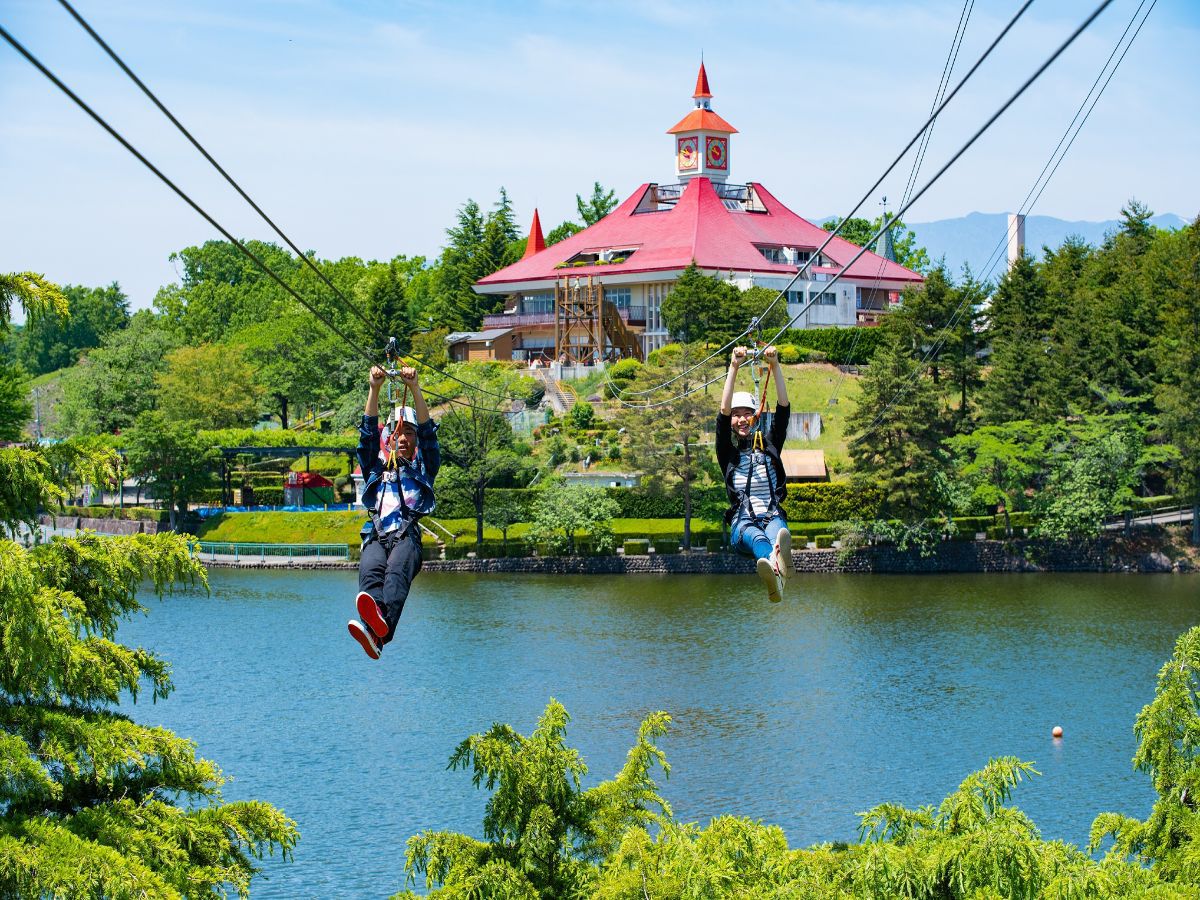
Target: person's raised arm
[[771, 355], [375, 382], [409, 376], [735, 361]]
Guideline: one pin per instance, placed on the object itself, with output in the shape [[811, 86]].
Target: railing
[[636, 314], [213, 549]]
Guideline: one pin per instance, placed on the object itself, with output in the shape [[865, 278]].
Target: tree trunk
[[283, 411], [687, 496], [1128, 522], [1196, 525], [478, 499], [1007, 522]]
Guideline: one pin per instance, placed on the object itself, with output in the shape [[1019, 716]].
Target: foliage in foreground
[[545, 837], [92, 804]]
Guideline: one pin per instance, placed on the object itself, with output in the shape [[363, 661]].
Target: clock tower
[[702, 138]]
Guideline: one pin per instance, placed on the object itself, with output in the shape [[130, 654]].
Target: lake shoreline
[[1142, 553]]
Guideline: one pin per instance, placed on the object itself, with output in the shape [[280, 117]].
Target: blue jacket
[[424, 467]]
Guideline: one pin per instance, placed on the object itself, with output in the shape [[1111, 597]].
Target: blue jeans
[[756, 536]]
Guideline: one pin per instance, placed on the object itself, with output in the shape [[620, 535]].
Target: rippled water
[[853, 691]]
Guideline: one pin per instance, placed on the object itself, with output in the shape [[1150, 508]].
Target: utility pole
[[37, 412]]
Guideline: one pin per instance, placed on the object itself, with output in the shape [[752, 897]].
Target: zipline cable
[[350, 305], [208, 156], [869, 193], [33, 60], [959, 309], [983, 128]]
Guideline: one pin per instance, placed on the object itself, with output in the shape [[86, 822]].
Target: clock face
[[689, 153], [714, 153]]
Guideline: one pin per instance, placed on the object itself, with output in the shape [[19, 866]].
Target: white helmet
[[404, 414], [743, 399]]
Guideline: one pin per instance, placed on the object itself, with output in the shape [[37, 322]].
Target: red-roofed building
[[740, 232]]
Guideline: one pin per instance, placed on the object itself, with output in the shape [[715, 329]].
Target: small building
[[307, 489], [480, 346], [804, 465]]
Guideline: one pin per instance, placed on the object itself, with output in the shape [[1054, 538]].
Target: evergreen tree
[[1019, 332], [93, 804], [895, 434], [1173, 276], [56, 341], [387, 303], [16, 409]]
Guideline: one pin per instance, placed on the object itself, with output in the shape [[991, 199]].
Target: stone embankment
[[1098, 555]]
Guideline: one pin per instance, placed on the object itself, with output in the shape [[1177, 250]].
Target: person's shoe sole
[[367, 640], [770, 580], [368, 611], [783, 550]]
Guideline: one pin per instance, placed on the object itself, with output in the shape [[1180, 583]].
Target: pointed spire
[[702, 91], [536, 243], [886, 248]]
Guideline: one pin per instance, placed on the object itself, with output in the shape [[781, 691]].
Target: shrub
[[789, 353], [824, 541], [714, 545], [831, 501], [635, 547], [430, 551], [666, 546], [843, 346], [518, 550], [458, 550]]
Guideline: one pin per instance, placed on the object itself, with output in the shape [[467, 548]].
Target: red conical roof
[[536, 243], [702, 84]]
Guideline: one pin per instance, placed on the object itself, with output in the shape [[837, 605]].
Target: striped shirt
[[753, 466]]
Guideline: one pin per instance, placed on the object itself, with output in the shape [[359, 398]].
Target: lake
[[853, 691]]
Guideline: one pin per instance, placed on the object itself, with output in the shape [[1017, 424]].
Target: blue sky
[[361, 127]]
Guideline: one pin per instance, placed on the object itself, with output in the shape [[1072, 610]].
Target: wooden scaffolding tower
[[587, 327]]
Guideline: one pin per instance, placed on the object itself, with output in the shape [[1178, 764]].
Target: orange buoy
[[1057, 732]]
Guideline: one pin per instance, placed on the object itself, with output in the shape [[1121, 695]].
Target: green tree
[[37, 296], [210, 386], [896, 433], [860, 232], [386, 302], [1018, 385], [596, 207], [562, 512], [93, 804], [562, 232], [1093, 469], [56, 341], [172, 458], [116, 381], [997, 463], [502, 512], [1173, 275], [543, 833], [292, 357], [16, 409], [223, 291], [706, 309], [666, 442], [476, 439]]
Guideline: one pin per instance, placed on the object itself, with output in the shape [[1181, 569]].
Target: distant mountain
[[972, 238]]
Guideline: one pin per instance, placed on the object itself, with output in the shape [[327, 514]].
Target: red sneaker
[[369, 642], [368, 611]]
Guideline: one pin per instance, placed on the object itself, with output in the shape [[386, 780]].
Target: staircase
[[556, 392]]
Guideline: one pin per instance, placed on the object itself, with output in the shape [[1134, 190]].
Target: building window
[[772, 254], [828, 298], [535, 304], [622, 296]]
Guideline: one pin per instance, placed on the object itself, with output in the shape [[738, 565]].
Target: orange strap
[[762, 405]]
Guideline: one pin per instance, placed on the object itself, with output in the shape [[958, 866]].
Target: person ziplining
[[399, 464], [748, 454]]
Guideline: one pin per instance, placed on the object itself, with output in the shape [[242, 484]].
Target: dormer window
[[611, 256], [787, 256]]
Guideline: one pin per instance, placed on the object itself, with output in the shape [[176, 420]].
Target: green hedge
[[824, 541], [458, 550], [714, 545], [133, 513], [831, 501], [637, 547], [841, 346], [666, 546]]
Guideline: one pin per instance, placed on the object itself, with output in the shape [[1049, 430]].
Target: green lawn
[[343, 528]]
